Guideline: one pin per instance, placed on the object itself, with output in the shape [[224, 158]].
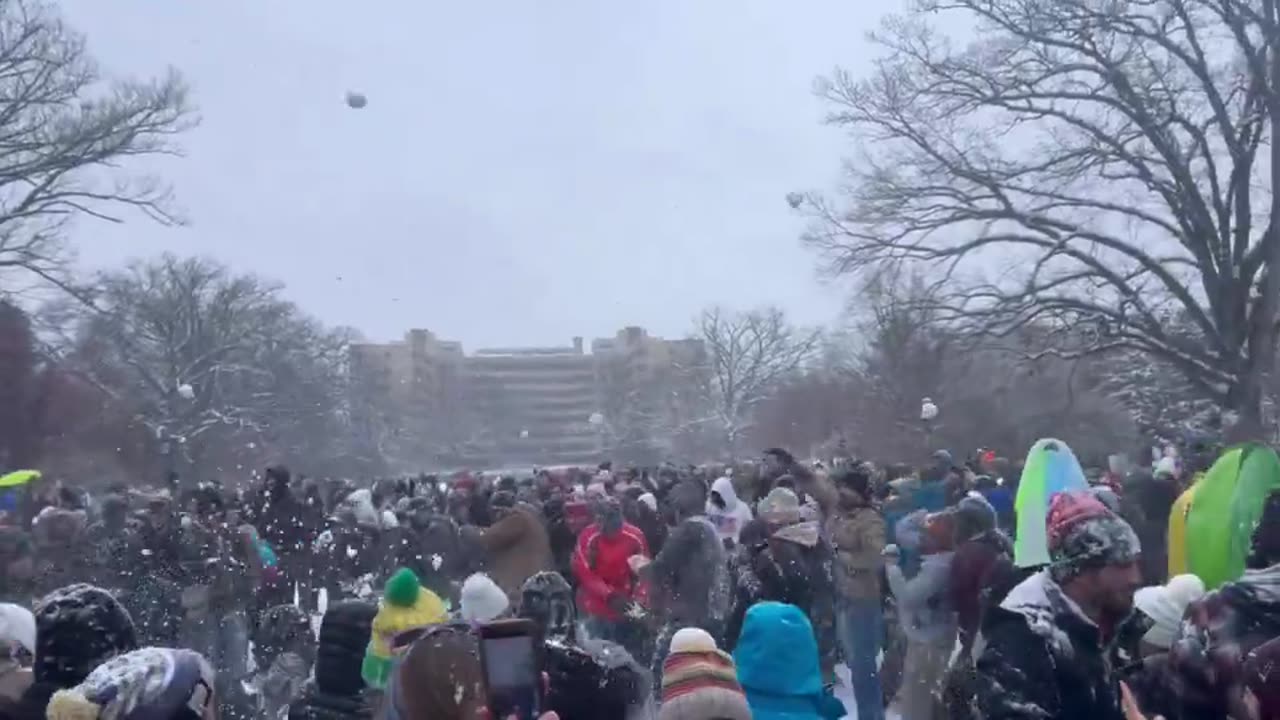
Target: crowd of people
[[683, 593]]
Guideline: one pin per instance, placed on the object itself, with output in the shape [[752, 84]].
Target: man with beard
[[1046, 654]]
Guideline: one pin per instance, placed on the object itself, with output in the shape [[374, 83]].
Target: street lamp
[[928, 413]]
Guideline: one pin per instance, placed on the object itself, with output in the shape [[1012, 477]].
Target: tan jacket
[[516, 548], [858, 537]]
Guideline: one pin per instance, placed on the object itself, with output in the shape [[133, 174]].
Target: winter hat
[[780, 507], [649, 501], [974, 516], [147, 684], [18, 626], [405, 605], [79, 627], [344, 635], [1165, 605], [1082, 534], [547, 599], [482, 600], [700, 681]]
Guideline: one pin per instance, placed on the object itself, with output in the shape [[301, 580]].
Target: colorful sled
[[1225, 508], [1051, 468]]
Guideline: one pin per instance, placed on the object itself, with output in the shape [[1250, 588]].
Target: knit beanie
[[405, 605], [699, 681], [482, 600], [780, 507], [147, 684], [547, 599], [79, 627], [1083, 534]]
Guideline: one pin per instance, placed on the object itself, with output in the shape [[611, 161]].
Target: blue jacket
[[777, 660]]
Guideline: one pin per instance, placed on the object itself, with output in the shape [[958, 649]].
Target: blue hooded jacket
[[777, 660]]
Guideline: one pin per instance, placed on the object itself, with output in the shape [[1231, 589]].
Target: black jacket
[[1042, 660]]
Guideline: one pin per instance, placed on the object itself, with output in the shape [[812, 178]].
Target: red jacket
[[600, 563]]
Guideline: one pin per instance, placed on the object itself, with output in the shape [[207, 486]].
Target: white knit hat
[[481, 599], [18, 626], [1165, 605], [692, 639]]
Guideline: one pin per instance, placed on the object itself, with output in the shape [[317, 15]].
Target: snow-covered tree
[[68, 138], [748, 355], [1088, 170], [206, 358]]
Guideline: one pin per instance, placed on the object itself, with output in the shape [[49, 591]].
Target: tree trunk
[[1246, 398]]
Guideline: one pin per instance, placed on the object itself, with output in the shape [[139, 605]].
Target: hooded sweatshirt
[[729, 520]]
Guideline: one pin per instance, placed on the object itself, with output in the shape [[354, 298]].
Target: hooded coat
[[337, 692], [735, 514], [777, 661], [1044, 660]]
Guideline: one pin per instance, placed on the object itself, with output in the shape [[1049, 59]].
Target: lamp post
[[928, 413]]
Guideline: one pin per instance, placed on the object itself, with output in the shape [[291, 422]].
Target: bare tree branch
[[1090, 170], [748, 355], [66, 138]]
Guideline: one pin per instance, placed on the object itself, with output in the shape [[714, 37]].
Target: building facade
[[424, 403]]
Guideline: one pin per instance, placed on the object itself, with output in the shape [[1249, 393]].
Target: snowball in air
[[186, 392], [356, 100]]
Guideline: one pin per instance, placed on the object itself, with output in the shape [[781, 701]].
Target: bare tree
[[202, 356], [66, 138], [747, 356], [1087, 169]]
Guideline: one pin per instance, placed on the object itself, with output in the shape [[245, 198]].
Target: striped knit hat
[[699, 681]]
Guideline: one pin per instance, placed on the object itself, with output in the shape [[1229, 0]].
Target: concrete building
[[432, 405]]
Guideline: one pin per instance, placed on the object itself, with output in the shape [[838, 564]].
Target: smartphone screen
[[512, 676]]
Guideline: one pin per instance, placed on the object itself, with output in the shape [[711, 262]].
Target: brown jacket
[[858, 537], [516, 548]]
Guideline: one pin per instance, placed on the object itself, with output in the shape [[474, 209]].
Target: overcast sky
[[524, 171]]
